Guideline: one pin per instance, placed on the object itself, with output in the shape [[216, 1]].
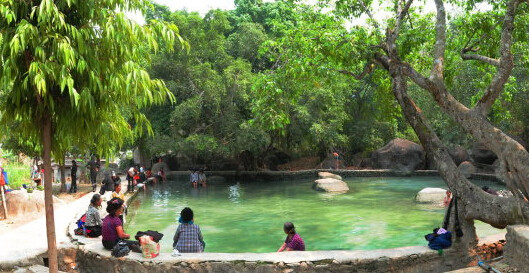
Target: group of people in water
[[197, 177], [187, 238]]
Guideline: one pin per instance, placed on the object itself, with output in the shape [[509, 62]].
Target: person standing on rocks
[[107, 184], [93, 166], [73, 174], [336, 160], [130, 179]]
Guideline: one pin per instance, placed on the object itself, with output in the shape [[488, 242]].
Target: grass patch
[[17, 174]]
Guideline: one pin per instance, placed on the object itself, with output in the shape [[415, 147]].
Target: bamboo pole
[[2, 189]]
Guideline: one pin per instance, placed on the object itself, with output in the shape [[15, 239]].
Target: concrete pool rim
[[412, 257]]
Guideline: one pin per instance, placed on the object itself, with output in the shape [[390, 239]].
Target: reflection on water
[[248, 216], [234, 193]]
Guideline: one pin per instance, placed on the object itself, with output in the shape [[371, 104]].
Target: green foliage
[[283, 74], [80, 62], [245, 42], [18, 174], [211, 87]]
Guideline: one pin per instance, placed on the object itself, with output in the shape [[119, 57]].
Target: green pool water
[[248, 216]]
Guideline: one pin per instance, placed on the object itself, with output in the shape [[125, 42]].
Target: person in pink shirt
[[293, 242]]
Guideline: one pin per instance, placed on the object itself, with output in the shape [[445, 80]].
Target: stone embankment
[[94, 259]]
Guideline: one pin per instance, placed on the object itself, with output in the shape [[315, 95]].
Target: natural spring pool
[[248, 216]]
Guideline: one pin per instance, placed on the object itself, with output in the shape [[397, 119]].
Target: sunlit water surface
[[248, 216]]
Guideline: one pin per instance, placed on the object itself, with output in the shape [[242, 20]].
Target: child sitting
[[293, 242], [202, 178], [188, 237], [194, 178]]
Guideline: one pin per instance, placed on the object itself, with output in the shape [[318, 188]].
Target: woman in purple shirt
[[293, 242], [112, 228]]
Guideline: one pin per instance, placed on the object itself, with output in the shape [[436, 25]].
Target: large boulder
[[275, 157], [21, 203], [399, 154], [330, 185], [483, 155], [459, 154], [329, 175], [157, 166], [467, 168], [431, 195], [330, 163]]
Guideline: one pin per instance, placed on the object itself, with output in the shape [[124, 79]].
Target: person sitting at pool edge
[[93, 218], [293, 242], [117, 191], [188, 237], [113, 226]]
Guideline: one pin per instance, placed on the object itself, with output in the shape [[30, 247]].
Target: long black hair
[[113, 205], [289, 228]]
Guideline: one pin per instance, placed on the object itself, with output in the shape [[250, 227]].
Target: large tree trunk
[[48, 193], [476, 203], [514, 159], [494, 210], [446, 166]]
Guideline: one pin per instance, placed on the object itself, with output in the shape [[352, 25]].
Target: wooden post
[[2, 188]]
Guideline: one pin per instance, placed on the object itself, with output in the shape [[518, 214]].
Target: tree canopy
[[70, 70]]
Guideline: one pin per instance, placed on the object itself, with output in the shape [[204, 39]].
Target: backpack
[[80, 225], [120, 249]]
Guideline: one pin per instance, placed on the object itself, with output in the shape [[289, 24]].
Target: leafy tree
[[308, 95], [211, 87], [413, 45], [68, 67]]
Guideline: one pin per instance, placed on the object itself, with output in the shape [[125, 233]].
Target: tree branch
[[477, 57], [402, 11], [506, 62], [368, 68], [440, 44], [370, 15], [392, 35], [382, 60], [505, 211], [445, 100]]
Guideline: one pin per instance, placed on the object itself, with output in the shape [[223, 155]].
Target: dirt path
[[15, 222]]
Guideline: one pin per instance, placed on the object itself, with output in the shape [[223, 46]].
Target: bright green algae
[[248, 216]]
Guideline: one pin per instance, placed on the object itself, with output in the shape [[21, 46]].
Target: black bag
[[459, 232], [156, 236], [457, 225], [94, 231], [120, 249]]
